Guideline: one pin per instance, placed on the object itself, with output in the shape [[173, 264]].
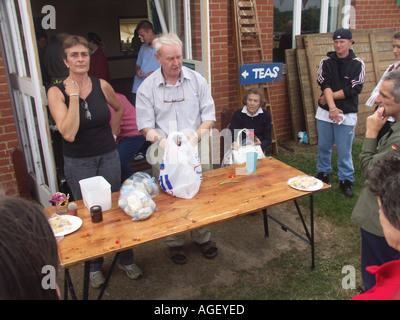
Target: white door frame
[[166, 10], [28, 96]]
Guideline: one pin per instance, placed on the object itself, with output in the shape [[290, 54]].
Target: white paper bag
[[180, 171]]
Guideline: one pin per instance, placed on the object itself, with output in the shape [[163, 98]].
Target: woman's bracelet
[[333, 110], [74, 95]]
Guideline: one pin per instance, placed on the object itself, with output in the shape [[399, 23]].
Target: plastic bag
[[239, 156], [303, 137], [135, 196], [180, 172]]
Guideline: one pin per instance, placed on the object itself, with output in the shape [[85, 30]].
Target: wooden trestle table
[[225, 193]]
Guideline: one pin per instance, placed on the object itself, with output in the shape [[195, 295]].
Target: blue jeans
[[106, 165], [128, 147], [343, 136]]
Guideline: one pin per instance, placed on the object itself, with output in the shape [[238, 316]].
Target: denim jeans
[[343, 136], [128, 147], [106, 165]]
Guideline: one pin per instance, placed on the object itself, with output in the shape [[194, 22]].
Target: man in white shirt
[[175, 98]]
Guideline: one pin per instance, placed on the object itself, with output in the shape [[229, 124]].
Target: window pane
[[26, 72], [336, 15], [283, 17], [310, 16]]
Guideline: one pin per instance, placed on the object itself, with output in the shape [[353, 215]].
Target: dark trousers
[[375, 251], [107, 166]]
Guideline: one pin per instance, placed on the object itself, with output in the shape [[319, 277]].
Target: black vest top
[[94, 136]]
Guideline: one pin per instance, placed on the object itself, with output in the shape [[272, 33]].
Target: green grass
[[290, 276], [331, 204]]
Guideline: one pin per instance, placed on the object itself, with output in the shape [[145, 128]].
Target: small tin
[[96, 213], [73, 209]]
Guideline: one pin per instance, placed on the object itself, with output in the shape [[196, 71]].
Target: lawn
[[287, 276]]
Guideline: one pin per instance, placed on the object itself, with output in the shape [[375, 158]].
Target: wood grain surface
[[215, 203]]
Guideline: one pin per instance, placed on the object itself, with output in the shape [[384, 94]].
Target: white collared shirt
[[185, 116], [259, 111]]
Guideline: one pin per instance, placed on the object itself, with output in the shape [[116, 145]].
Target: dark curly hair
[[384, 181]]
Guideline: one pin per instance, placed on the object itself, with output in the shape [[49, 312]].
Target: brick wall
[[369, 14], [224, 66], [377, 14], [8, 137]]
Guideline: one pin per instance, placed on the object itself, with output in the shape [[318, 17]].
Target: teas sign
[[260, 73]]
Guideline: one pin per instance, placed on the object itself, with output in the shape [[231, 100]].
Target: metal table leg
[[86, 273], [108, 276], [68, 286], [309, 235]]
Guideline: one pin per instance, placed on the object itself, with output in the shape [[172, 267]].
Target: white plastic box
[[96, 191]]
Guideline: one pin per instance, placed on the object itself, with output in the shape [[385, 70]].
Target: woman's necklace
[[87, 86]]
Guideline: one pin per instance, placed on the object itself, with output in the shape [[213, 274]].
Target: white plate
[[76, 223], [315, 187]]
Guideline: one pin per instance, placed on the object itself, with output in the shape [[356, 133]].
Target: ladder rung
[[247, 21], [246, 13], [252, 49], [245, 4], [249, 30]]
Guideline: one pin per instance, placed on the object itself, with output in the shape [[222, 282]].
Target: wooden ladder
[[249, 50]]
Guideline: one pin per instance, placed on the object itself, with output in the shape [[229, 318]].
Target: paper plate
[[75, 224], [301, 183]]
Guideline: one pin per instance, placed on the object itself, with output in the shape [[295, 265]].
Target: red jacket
[[387, 283]]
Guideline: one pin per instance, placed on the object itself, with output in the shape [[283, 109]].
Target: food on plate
[[59, 224], [303, 182]]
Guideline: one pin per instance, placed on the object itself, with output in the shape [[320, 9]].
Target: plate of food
[[305, 183], [65, 224]]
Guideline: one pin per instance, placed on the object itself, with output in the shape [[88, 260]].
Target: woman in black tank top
[[79, 108]]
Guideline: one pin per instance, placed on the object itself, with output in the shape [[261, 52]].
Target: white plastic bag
[[239, 156], [180, 171], [136, 194]]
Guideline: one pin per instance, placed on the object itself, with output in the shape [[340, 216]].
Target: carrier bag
[[180, 171]]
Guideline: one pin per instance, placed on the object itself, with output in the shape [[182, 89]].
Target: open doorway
[[22, 20]]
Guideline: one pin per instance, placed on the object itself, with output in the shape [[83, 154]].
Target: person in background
[[27, 245], [41, 41], [384, 182], [146, 62], [53, 60], [375, 250], [375, 92], [175, 98], [341, 76], [129, 140], [136, 43], [98, 61], [254, 117], [79, 106]]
